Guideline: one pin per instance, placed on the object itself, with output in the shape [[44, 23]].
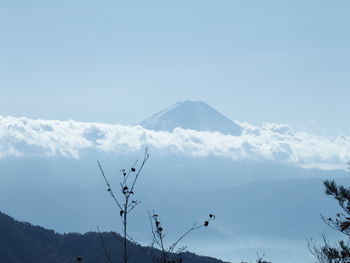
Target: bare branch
[[107, 255], [109, 188], [127, 191], [158, 238]]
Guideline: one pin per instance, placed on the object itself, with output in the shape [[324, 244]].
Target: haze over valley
[[263, 183]]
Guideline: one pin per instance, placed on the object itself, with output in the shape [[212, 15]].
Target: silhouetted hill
[[24, 243]]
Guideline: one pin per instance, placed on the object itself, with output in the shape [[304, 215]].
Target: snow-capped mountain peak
[[194, 115]]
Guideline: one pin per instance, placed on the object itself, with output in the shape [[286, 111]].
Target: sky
[[122, 61]]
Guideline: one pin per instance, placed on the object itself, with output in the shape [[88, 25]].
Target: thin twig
[[107, 255], [109, 188]]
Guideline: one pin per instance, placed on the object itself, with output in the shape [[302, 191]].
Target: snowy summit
[[194, 115]]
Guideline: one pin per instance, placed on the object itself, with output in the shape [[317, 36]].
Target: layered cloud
[[273, 142]]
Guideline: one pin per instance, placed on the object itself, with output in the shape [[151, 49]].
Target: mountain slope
[[194, 115], [24, 243]]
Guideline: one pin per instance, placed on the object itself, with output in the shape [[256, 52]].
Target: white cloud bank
[[275, 142]]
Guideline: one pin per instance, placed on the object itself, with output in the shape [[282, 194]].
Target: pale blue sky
[[121, 61]]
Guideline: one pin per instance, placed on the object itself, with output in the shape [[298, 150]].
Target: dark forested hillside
[[24, 243]]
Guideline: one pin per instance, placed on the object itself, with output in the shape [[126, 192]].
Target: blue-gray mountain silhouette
[[194, 115], [24, 243]]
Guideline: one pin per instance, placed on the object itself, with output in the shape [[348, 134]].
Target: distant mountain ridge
[[24, 243], [194, 115]]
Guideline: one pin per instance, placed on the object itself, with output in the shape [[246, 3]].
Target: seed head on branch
[[171, 253]]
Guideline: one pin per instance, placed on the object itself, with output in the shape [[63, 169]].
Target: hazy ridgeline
[[256, 210]]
